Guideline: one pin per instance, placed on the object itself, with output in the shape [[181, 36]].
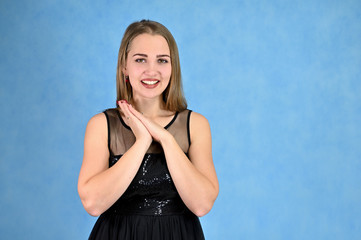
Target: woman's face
[[148, 66]]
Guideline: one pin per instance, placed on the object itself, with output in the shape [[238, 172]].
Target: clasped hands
[[142, 127]]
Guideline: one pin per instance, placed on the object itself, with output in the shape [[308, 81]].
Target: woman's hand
[[139, 129], [156, 131]]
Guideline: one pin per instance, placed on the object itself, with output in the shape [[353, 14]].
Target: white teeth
[[150, 82]]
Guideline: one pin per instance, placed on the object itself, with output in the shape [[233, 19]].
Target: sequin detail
[[113, 160], [152, 191], [158, 206], [144, 165]]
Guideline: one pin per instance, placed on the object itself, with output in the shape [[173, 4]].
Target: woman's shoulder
[[112, 112], [198, 124], [199, 128], [101, 120], [97, 121], [197, 118]]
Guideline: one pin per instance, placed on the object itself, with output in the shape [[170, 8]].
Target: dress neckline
[[166, 127]]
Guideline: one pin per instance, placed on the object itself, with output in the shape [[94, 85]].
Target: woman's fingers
[[140, 117], [125, 110], [136, 113], [137, 126], [154, 129]]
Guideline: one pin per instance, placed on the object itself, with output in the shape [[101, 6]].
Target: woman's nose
[[151, 69]]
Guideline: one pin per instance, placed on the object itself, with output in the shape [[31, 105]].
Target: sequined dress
[[150, 208]]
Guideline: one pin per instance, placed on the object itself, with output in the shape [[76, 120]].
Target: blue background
[[279, 81]]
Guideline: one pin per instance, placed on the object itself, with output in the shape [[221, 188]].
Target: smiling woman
[[147, 167]]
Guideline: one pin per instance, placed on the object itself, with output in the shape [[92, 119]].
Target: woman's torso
[[151, 197]]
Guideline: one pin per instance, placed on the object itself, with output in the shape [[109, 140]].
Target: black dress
[[150, 208]]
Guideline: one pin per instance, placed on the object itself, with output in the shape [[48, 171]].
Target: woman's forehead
[[148, 43]]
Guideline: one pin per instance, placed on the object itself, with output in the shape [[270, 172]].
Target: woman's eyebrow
[[163, 55], [140, 54], [145, 55]]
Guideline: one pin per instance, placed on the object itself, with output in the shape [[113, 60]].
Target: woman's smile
[[150, 83]]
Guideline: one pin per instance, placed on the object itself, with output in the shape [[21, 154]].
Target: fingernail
[[126, 101]]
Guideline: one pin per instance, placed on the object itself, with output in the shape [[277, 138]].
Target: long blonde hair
[[173, 96]]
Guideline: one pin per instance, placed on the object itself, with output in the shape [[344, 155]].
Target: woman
[[147, 168]]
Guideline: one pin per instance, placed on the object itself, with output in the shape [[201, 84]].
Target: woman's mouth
[[150, 83]]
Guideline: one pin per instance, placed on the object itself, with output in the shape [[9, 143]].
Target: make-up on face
[[148, 66]]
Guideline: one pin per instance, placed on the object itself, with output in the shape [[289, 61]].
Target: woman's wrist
[[144, 141], [166, 138]]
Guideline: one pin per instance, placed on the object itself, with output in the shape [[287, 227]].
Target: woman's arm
[[194, 177], [99, 186]]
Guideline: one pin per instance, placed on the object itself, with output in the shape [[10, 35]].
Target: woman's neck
[[151, 108]]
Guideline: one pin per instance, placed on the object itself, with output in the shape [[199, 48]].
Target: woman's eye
[[162, 60], [140, 60]]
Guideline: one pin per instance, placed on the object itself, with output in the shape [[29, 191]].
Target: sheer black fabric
[[151, 207]]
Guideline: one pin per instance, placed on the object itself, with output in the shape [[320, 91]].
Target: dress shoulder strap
[[180, 130]]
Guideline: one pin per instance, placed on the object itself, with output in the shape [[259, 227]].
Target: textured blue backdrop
[[280, 82]]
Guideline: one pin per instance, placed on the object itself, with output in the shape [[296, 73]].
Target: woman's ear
[[124, 71]]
